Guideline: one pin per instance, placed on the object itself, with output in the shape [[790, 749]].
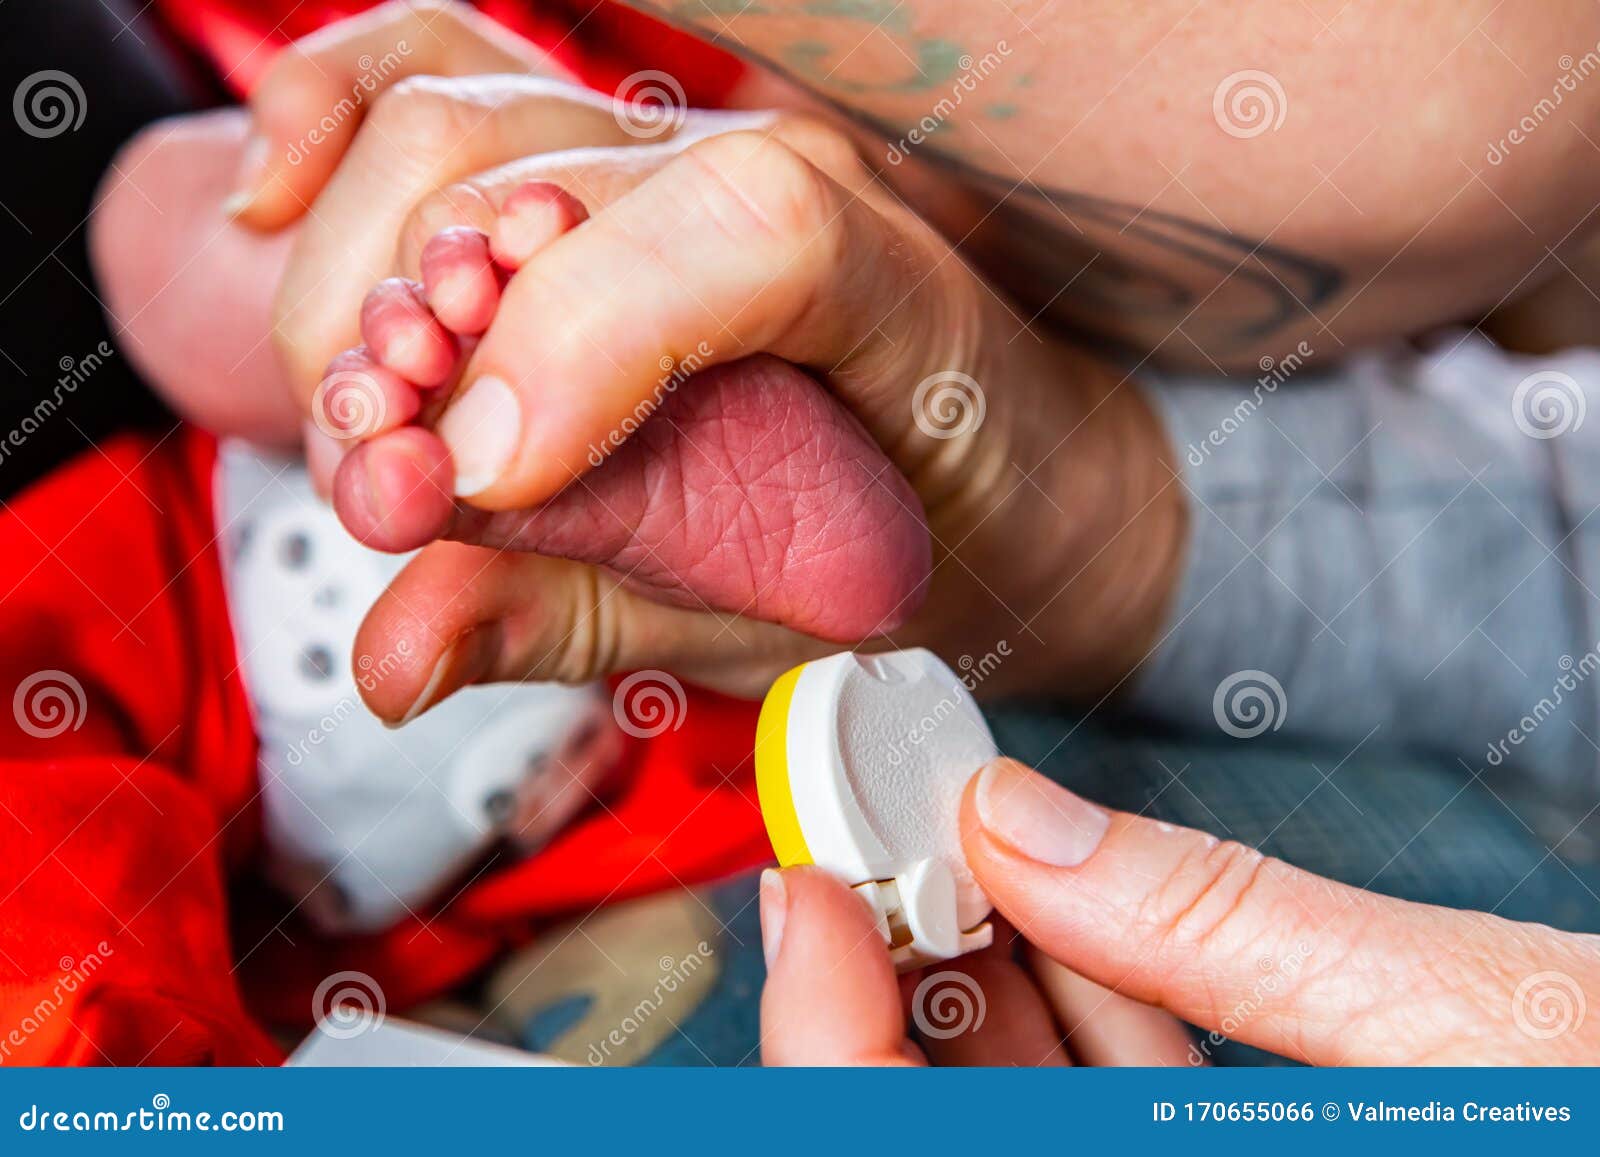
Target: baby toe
[[403, 334], [358, 398], [534, 215], [395, 493], [460, 280]]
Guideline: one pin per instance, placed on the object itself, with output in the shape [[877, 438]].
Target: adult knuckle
[[1220, 902], [285, 74], [422, 115], [433, 16], [430, 10], [292, 94], [820, 142], [753, 183], [460, 203], [584, 619]]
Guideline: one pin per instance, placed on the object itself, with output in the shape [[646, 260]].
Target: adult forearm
[[1214, 182]]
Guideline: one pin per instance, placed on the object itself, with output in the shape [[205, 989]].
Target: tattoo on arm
[[1117, 270]]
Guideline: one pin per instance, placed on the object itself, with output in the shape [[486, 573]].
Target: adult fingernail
[[1037, 818], [774, 910], [464, 661], [482, 429], [252, 175]]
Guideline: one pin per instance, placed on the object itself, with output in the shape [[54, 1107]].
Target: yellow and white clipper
[[860, 764]]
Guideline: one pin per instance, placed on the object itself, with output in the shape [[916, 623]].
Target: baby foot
[[165, 255], [750, 490]]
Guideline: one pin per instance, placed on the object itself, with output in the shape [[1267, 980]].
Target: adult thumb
[[1250, 947]]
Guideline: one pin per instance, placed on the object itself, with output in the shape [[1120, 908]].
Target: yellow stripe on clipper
[[772, 773]]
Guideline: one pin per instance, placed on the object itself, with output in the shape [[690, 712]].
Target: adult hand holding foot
[[1121, 917], [757, 513], [754, 492]]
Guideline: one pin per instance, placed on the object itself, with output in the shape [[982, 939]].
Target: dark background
[[131, 74]]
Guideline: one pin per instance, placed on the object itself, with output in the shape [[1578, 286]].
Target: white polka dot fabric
[[364, 822]]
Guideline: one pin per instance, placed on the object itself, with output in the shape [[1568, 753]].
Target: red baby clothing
[[131, 928]]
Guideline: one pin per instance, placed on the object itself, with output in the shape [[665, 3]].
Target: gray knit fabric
[[1406, 546]]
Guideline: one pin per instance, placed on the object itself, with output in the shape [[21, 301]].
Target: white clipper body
[[861, 761]]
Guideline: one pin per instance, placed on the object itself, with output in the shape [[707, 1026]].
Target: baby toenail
[[533, 216], [482, 429], [368, 491]]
